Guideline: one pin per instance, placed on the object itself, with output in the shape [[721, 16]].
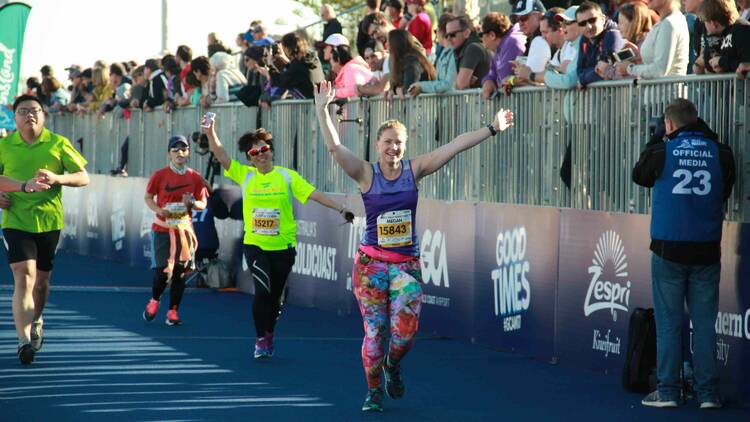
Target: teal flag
[[12, 27]]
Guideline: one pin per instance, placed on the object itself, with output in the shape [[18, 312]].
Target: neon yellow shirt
[[267, 204], [37, 212]]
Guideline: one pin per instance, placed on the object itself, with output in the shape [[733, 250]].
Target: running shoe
[[37, 335], [26, 354], [656, 400], [394, 384], [172, 318], [151, 309], [711, 404], [264, 347], [373, 400]]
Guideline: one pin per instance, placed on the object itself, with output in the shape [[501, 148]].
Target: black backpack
[[639, 372]]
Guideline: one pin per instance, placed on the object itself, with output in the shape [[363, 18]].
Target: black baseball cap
[[176, 140]]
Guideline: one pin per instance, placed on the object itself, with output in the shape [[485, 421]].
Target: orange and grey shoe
[[152, 307], [172, 317]]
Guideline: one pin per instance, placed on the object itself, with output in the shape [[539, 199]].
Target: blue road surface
[[102, 362]]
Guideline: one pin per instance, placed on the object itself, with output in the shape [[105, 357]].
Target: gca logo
[[434, 263], [603, 294]]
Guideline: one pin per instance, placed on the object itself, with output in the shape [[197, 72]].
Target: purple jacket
[[511, 46]]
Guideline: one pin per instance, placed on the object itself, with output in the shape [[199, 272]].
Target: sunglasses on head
[[589, 21], [255, 151]]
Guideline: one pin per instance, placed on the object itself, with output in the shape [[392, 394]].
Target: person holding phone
[[270, 239], [387, 271]]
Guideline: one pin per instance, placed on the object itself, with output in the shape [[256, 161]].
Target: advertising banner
[[446, 244], [13, 18], [516, 277], [604, 273]]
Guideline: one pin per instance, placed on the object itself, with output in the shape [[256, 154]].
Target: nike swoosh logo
[[174, 188]]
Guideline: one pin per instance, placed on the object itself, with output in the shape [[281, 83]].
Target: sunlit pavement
[[102, 362]]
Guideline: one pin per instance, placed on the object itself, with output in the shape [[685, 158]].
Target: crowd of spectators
[[403, 49]]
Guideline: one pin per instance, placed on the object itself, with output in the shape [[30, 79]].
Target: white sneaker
[[655, 400], [37, 335], [711, 404]]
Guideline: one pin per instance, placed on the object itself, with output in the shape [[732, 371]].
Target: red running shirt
[[169, 186]]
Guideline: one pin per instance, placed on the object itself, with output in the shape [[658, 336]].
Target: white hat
[[336, 40], [569, 15]]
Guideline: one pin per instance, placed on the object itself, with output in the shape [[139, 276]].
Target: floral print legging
[[389, 296]]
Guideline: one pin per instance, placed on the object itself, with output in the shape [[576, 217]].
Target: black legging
[[270, 270], [176, 289]]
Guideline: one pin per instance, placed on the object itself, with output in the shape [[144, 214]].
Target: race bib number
[[178, 214], [266, 221], [394, 229]]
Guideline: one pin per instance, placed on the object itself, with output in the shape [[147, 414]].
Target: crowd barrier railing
[[606, 125]]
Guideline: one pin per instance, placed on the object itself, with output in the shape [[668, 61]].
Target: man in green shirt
[[32, 216]]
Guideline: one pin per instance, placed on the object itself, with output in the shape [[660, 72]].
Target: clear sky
[[63, 32]]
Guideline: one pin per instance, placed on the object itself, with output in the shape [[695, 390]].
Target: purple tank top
[[391, 211]]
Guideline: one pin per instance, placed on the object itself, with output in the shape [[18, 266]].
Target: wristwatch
[[532, 77], [492, 129]]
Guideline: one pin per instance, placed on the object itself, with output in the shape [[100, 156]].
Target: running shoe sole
[[147, 318], [172, 323], [26, 354]]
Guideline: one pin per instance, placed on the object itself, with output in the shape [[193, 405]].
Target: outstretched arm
[[431, 162], [214, 144], [8, 184], [327, 201], [357, 168]]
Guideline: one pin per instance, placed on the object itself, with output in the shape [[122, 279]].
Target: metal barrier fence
[[606, 125]]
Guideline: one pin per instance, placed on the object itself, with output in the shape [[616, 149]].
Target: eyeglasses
[[255, 151], [26, 111], [589, 21], [180, 149]]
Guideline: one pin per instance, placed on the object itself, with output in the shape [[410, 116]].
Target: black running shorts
[[23, 246]]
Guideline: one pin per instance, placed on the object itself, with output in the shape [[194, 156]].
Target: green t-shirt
[[267, 204], [37, 212]]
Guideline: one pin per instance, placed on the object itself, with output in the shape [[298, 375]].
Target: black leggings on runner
[[270, 270], [177, 287]]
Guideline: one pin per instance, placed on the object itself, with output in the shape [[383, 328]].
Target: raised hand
[[324, 94], [503, 120]]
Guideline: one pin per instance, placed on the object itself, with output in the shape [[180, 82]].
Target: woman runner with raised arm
[[270, 227], [386, 276]]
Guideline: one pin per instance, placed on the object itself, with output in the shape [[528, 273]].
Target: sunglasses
[[255, 151], [589, 21], [519, 18], [181, 149], [451, 35]]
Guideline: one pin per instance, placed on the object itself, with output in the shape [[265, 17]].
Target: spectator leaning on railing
[[445, 66], [102, 90], [121, 86], [57, 96], [554, 36], [721, 19], [350, 71], [184, 55], [303, 70], [697, 32], [507, 41], [600, 39], [566, 76], [157, 85], [472, 59], [408, 62], [666, 49], [139, 89], [528, 14], [229, 80]]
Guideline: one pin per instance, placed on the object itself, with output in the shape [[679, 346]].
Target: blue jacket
[[606, 43]]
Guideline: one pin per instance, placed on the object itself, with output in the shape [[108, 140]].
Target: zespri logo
[[609, 260]]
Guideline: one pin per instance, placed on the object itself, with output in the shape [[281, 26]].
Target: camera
[[656, 127], [202, 141]]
